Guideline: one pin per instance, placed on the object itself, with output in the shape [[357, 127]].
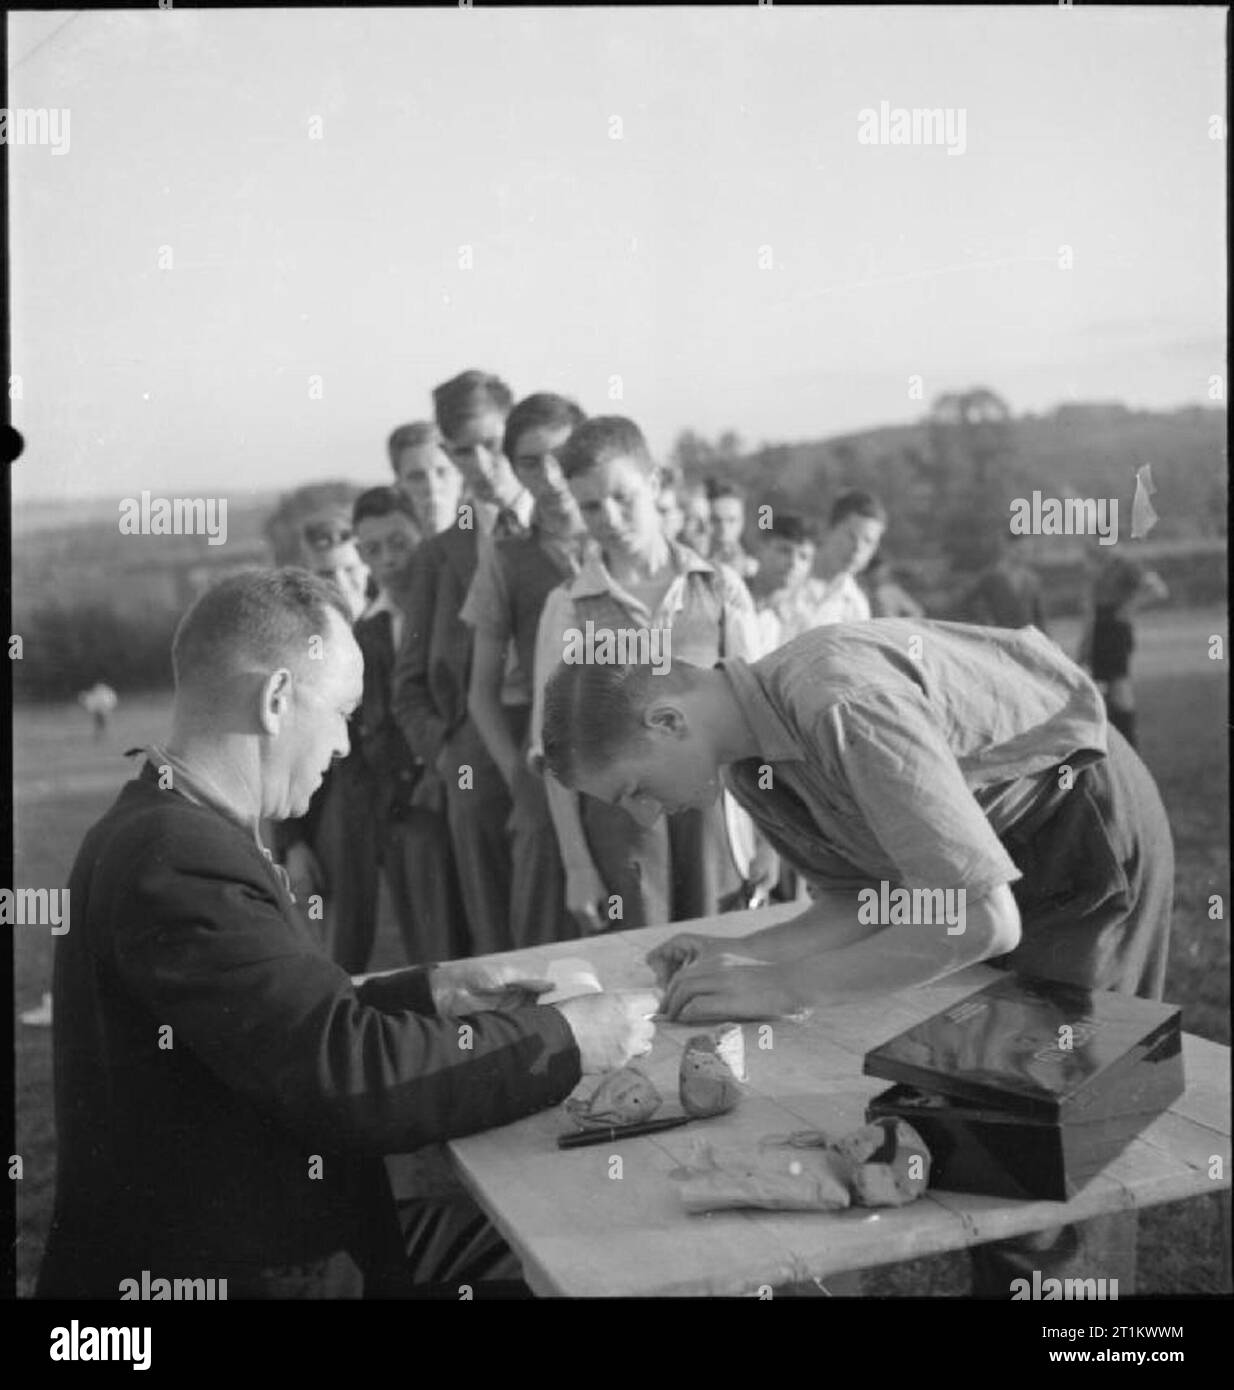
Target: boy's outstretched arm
[[849, 961]]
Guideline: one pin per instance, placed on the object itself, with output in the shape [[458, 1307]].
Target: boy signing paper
[[878, 757]]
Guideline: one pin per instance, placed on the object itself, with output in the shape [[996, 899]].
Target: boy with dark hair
[[728, 521], [622, 871], [855, 529], [433, 670], [513, 579]]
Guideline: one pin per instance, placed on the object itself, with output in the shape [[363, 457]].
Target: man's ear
[[667, 719], [275, 700]]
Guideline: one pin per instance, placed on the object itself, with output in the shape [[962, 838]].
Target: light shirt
[[902, 749], [741, 639]]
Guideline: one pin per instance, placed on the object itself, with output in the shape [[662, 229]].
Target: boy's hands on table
[[716, 986]]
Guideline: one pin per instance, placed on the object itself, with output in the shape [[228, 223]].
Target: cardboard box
[[1028, 1088]]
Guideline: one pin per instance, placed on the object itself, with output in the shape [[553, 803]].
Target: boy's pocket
[[1071, 867]]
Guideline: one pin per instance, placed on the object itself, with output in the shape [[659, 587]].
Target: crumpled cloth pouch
[[884, 1164]]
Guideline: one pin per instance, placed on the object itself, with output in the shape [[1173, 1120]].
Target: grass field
[[64, 781]]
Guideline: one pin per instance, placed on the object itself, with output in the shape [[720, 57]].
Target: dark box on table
[[1011, 1104]]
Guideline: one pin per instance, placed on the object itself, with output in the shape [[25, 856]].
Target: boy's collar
[[776, 742], [593, 577]]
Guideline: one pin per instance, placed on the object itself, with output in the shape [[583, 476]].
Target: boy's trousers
[[1095, 904]]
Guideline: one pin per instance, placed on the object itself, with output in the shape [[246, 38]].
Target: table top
[[583, 1227]]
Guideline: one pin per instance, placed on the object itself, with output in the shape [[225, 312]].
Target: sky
[[273, 232]]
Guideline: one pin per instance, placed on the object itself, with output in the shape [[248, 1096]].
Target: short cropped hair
[[854, 502], [721, 487], [471, 392], [257, 620], [600, 439], [791, 526], [544, 410], [382, 501], [593, 712], [413, 436]]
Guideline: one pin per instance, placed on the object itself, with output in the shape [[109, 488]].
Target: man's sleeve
[[556, 617], [206, 949], [411, 700], [886, 749]]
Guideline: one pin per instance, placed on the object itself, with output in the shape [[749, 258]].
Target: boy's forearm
[[862, 961], [829, 923], [485, 708]]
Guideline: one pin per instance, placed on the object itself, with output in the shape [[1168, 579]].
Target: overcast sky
[[737, 258]]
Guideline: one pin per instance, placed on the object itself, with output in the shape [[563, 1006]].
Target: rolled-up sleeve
[[888, 753], [556, 617]]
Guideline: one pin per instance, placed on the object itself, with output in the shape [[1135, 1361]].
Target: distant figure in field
[[99, 702], [1007, 593], [887, 598], [1120, 587]]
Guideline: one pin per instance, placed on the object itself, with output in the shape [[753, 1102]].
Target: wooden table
[[582, 1231]]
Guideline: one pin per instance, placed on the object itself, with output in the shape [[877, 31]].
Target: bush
[[67, 650]]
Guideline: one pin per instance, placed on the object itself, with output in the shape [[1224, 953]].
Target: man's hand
[[611, 1029], [303, 872], [584, 892], [680, 950], [718, 988], [472, 987]]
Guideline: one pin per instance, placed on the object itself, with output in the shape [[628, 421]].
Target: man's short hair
[[600, 439], [257, 620], [791, 526], [594, 712], [854, 502], [383, 501], [470, 393], [413, 436], [721, 487], [543, 410]]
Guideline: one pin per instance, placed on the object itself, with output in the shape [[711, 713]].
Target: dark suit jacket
[[433, 668], [394, 769], [223, 1092]]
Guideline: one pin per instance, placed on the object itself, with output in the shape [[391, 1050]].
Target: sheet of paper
[[571, 976]]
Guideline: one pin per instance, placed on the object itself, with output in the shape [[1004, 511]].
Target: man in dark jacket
[[224, 1092]]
